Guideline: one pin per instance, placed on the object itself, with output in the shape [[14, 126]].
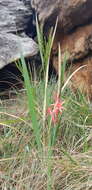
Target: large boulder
[[70, 13], [74, 34], [13, 46], [15, 16], [76, 45]]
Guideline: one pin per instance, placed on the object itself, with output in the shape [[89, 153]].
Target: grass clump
[[45, 133]]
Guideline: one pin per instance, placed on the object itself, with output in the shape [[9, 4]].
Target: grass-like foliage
[[31, 103], [45, 132]]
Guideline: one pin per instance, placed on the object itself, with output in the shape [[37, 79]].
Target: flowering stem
[[59, 71]]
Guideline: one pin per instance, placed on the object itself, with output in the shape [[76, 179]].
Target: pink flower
[[55, 109]]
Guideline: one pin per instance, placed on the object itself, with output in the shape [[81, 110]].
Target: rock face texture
[[70, 13], [15, 15], [74, 34], [13, 46], [77, 44]]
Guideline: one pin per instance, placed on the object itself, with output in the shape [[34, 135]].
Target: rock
[[42, 7], [12, 46], [82, 79], [14, 16], [74, 33], [75, 45], [70, 13]]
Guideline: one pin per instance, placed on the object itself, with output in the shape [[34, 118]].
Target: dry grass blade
[[66, 83]]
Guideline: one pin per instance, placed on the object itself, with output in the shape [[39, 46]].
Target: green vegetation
[[45, 133]]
